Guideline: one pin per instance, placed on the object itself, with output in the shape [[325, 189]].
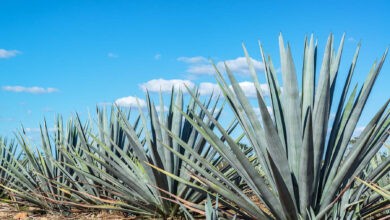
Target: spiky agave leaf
[[39, 178], [305, 170], [8, 150], [120, 150], [367, 198]]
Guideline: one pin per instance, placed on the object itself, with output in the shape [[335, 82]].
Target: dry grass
[[256, 200], [9, 212]]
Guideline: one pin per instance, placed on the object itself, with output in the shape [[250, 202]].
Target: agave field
[[298, 161]]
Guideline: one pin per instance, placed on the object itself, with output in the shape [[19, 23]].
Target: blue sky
[[62, 57]]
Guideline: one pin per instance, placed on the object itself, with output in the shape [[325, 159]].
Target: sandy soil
[[9, 212]]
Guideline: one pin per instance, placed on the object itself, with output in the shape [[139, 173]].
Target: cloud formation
[[192, 60], [164, 85], [201, 69], [250, 90], [130, 102], [32, 90], [4, 54], [200, 66], [204, 88], [207, 88]]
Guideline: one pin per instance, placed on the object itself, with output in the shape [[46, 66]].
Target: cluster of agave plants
[[298, 161]]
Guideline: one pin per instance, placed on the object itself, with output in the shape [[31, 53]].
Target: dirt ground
[[9, 212]]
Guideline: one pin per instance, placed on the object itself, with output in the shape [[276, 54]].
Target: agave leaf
[[279, 157], [211, 168], [275, 99], [334, 67], [330, 188], [292, 109], [344, 169], [247, 118], [308, 76], [382, 192], [307, 165], [321, 113], [356, 112], [238, 160]]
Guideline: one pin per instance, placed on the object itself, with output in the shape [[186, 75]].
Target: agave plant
[[39, 178], [210, 212], [8, 150], [307, 167], [126, 157], [371, 199]]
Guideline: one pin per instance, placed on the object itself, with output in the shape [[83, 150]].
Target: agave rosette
[[307, 168]]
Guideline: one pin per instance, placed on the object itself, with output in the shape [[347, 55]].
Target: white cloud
[[164, 85], [250, 90], [36, 130], [206, 88], [112, 55], [238, 65], [158, 108], [8, 53], [157, 56], [358, 130], [193, 60], [130, 102], [200, 69], [33, 89]]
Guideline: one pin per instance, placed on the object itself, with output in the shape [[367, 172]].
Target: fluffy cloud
[[164, 85], [250, 90], [130, 102], [240, 65], [199, 65], [200, 69], [192, 60], [33, 90], [8, 53], [206, 88]]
